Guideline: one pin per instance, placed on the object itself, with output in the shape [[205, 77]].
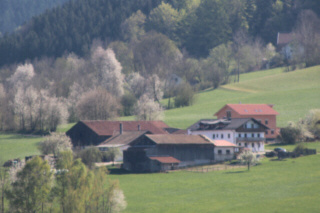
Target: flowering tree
[[108, 71], [148, 109], [247, 157], [55, 143]]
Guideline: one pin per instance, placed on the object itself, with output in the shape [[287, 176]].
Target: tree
[[148, 109], [133, 27], [312, 121], [163, 19], [290, 135], [307, 34], [90, 155], [97, 104], [184, 95], [210, 29], [155, 88], [248, 158], [113, 152], [4, 186], [30, 191], [55, 143], [108, 70], [128, 101]]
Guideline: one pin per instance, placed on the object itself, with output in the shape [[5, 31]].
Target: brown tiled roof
[[251, 109], [179, 139], [165, 159], [223, 143], [284, 38], [122, 139], [107, 128]]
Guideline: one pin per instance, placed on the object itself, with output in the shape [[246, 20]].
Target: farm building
[[88, 133], [243, 132], [264, 113]]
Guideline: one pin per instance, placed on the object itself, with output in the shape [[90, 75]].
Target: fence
[[204, 169]]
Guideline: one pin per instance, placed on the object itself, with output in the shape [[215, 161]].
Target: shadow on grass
[[236, 172], [277, 159]]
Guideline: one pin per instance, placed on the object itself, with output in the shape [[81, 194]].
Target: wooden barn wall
[[183, 152], [81, 135]]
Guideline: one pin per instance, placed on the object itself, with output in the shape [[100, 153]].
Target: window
[[259, 145], [258, 135], [239, 144], [228, 114], [252, 135], [213, 136], [246, 145], [228, 152], [272, 131], [245, 135], [219, 151], [266, 122], [252, 126], [228, 135], [221, 135], [266, 132], [252, 145], [239, 135]]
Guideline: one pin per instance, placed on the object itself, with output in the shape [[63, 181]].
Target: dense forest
[[194, 25], [14, 13]]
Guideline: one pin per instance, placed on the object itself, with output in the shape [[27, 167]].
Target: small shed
[[223, 150], [163, 164]]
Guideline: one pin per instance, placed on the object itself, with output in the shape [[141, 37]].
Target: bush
[[128, 101], [300, 149], [290, 135], [90, 156], [185, 95]]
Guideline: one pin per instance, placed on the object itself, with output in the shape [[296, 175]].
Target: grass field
[[17, 146], [292, 93], [290, 185]]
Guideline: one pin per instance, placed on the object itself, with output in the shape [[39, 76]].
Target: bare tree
[[307, 33], [97, 104]]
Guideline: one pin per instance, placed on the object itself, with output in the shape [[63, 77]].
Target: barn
[[153, 153], [93, 133]]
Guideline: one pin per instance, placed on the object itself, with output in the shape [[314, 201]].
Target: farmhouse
[[263, 113], [87, 133], [243, 132]]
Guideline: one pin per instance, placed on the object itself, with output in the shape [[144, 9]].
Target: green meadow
[[292, 93], [290, 185], [17, 146]]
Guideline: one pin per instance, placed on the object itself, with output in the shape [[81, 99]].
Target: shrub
[[185, 95], [90, 156], [290, 135]]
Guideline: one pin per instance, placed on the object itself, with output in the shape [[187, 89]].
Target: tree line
[[132, 75], [195, 26]]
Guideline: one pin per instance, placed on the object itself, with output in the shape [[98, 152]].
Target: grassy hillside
[[292, 93], [17, 146], [275, 186]]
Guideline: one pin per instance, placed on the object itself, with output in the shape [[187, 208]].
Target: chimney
[[121, 128], [139, 127], [270, 105]]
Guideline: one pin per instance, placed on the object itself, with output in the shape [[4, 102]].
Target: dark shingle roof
[[226, 124], [123, 139], [179, 139]]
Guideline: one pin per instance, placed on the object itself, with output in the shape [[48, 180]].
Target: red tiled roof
[[106, 128], [223, 143], [165, 159], [179, 139], [122, 139], [251, 109], [284, 38]]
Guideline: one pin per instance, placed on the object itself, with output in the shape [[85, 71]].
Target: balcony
[[250, 139]]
